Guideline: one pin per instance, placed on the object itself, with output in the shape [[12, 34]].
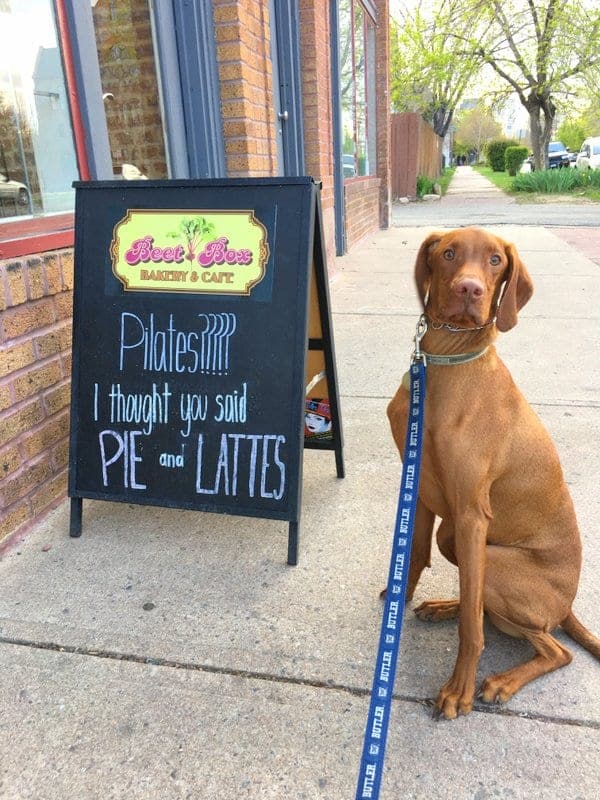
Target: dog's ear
[[517, 290], [422, 268]]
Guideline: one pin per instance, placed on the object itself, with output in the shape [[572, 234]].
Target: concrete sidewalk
[[468, 185], [472, 199], [169, 654]]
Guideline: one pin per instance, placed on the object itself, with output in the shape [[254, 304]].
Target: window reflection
[[357, 65], [37, 155], [130, 88]]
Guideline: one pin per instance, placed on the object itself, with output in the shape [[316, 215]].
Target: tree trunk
[[541, 120]]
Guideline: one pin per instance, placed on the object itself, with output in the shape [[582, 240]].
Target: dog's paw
[[437, 610], [497, 689], [455, 698]]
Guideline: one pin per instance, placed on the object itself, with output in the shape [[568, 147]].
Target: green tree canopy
[[474, 128], [541, 50], [430, 68]]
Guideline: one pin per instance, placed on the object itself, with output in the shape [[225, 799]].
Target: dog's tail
[[581, 635]]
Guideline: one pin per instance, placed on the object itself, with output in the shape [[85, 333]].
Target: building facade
[[99, 89]]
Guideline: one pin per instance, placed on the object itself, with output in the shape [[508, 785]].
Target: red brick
[[64, 305], [66, 264], [5, 398], [10, 460], [51, 491], [34, 275], [14, 517], [16, 283], [37, 379], [25, 481], [55, 341], [46, 436], [27, 318], [58, 398], [53, 273], [60, 454], [16, 357], [11, 425]]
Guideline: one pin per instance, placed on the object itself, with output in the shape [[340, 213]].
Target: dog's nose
[[469, 288]]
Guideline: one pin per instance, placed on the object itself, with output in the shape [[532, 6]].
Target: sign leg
[[75, 523], [292, 559], [339, 459]]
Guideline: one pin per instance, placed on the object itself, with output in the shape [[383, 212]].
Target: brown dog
[[490, 471]]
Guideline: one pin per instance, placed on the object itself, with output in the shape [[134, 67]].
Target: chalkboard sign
[[190, 337]]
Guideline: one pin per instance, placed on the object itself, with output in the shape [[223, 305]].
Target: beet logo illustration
[[194, 231], [198, 251]]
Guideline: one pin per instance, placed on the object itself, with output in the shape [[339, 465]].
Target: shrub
[[549, 181], [495, 150], [594, 178], [424, 185], [514, 156]]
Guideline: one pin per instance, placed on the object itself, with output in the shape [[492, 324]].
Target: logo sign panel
[[201, 252]]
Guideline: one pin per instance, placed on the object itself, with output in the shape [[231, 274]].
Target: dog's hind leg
[[550, 655]]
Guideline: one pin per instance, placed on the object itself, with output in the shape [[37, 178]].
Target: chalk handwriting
[[145, 344]]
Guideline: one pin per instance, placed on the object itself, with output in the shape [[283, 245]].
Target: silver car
[[13, 190]]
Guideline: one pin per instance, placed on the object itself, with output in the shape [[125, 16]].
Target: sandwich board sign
[[201, 320]]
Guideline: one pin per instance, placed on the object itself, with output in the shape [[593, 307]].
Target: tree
[[430, 68], [571, 134], [475, 128], [540, 48]]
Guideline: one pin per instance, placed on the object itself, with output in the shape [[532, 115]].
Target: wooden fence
[[416, 150]]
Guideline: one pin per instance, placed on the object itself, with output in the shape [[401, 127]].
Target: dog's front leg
[[456, 696]]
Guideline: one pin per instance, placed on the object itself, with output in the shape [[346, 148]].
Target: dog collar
[[451, 360], [444, 361]]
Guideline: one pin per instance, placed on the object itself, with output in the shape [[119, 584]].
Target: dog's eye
[[495, 260], [448, 254]]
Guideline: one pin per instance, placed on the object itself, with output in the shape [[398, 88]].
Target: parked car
[[348, 165], [13, 190], [558, 155], [589, 155]]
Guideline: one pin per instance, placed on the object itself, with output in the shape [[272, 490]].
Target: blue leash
[[371, 765]]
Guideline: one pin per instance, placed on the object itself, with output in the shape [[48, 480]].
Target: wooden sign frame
[[199, 310]]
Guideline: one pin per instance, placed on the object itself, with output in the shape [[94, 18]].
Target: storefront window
[[130, 88], [357, 76], [37, 154]]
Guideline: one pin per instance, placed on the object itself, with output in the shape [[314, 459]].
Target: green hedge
[[514, 156], [495, 151]]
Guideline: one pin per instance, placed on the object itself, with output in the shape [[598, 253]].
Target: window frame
[[77, 44], [369, 23], [52, 231]]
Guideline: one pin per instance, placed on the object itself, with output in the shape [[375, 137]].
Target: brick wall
[[315, 65], [243, 35], [35, 367], [362, 208], [382, 79]]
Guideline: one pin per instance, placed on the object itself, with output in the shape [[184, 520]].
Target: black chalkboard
[[190, 334]]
